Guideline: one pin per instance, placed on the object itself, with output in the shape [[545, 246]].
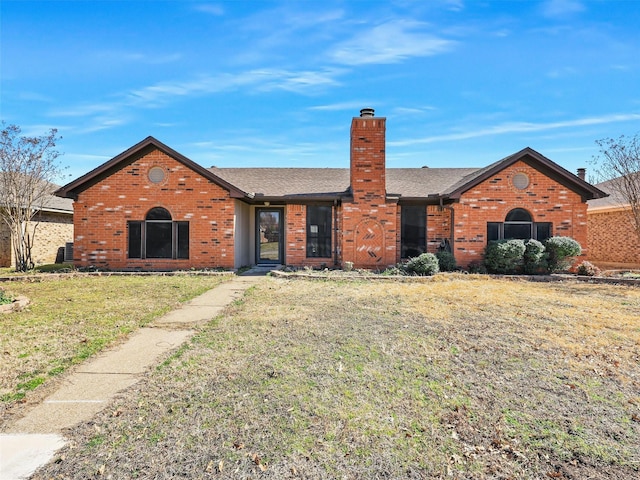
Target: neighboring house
[[613, 241], [54, 230], [151, 208]]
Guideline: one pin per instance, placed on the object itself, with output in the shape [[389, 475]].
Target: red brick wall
[[369, 222], [438, 226], [296, 239], [545, 199], [102, 211], [612, 238]]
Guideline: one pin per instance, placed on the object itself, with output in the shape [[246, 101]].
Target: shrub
[[560, 252], [476, 267], [423, 264], [504, 256], [395, 270], [533, 259], [446, 261], [588, 269]]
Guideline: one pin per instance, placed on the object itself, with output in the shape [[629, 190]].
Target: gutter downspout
[[335, 233], [451, 224]]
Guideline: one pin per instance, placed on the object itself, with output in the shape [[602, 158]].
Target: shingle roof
[[58, 204], [615, 198], [309, 184], [52, 202], [334, 182], [286, 182]]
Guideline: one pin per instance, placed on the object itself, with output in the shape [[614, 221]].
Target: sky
[[276, 83]]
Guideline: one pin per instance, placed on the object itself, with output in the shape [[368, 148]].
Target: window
[[520, 181], [518, 224], [413, 235], [156, 175], [319, 231], [158, 236]]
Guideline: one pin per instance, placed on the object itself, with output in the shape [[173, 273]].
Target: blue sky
[[276, 83]]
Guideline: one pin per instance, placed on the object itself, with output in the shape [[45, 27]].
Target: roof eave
[[585, 189], [72, 189]]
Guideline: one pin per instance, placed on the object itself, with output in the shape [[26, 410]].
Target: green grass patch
[[462, 378], [71, 319]]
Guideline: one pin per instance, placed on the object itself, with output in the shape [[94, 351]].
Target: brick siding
[[612, 238], [490, 201], [101, 213], [52, 231]]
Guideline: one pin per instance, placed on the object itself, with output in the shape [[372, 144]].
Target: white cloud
[[339, 107], [117, 112], [519, 127], [412, 110], [561, 8], [210, 8], [390, 42]]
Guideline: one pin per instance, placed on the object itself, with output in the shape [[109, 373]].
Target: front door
[[269, 236]]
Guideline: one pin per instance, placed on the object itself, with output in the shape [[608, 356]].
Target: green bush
[[446, 261], [588, 269], [533, 259], [477, 267], [395, 270], [423, 264], [504, 256], [560, 252]]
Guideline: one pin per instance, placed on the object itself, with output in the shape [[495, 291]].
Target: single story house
[[53, 225], [151, 208], [612, 238]]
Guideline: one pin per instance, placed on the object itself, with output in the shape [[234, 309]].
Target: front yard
[[70, 319], [459, 377]]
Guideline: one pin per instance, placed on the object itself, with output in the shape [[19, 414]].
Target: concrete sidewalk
[[33, 440]]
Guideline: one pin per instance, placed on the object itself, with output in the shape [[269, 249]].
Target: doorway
[[269, 236]]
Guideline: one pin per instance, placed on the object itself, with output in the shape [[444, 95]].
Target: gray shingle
[[299, 182]]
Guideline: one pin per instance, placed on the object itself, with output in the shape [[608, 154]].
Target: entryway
[[269, 236]]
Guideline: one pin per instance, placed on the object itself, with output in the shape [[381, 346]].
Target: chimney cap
[[367, 112]]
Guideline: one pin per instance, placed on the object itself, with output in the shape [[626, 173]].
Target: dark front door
[[269, 235]]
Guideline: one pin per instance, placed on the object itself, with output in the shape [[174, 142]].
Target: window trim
[[496, 229], [323, 239], [138, 236], [422, 235]]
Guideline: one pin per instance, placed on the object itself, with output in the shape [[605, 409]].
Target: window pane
[[158, 239], [543, 231], [158, 213], [182, 240], [413, 239], [319, 231], [135, 239], [518, 215], [493, 231], [517, 230], [270, 246]]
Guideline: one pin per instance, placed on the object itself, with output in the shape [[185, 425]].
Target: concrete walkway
[[32, 441]]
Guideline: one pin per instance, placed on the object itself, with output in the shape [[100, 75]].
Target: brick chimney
[[582, 173], [368, 182]]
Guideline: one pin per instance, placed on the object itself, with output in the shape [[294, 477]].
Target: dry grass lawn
[[460, 377], [70, 319]]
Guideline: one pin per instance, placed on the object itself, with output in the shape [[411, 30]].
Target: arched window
[[158, 236], [518, 224]]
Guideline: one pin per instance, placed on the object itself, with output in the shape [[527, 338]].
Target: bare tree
[[619, 166], [28, 167]]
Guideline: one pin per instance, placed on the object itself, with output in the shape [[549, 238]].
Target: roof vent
[[367, 112], [582, 173]]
